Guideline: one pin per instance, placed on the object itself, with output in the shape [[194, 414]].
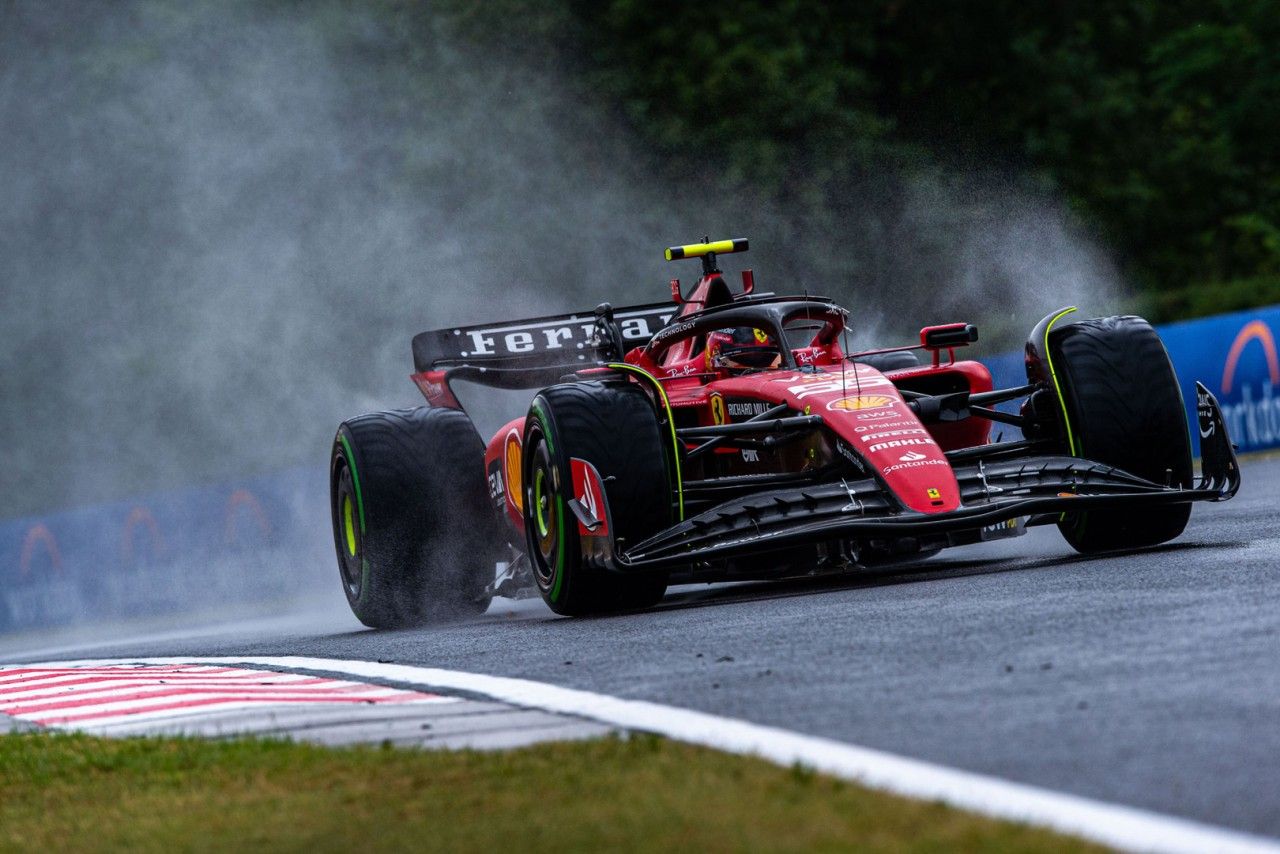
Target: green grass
[[66, 792]]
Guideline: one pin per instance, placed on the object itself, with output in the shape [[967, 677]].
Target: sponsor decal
[[841, 385], [761, 335], [877, 415], [513, 460], [495, 484], [746, 408], [815, 377], [1000, 530], [750, 456], [806, 357], [1254, 420], [848, 453], [911, 456], [888, 434], [1204, 414], [933, 493], [717, 409], [881, 425], [566, 333], [918, 463], [589, 492], [898, 443], [672, 333], [859, 402], [682, 372]]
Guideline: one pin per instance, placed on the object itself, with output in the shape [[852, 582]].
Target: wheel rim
[[544, 509], [541, 511], [542, 514], [346, 532], [349, 525]]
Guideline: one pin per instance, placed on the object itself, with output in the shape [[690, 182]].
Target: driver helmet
[[742, 348]]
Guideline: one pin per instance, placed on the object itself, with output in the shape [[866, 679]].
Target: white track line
[[1111, 824]]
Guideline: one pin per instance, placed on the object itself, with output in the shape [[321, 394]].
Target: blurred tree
[[1156, 119]]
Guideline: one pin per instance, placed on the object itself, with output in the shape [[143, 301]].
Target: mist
[[223, 222]]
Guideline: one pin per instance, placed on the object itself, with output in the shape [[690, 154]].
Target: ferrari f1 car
[[727, 435]]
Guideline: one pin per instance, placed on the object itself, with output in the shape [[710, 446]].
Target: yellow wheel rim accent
[[349, 523]]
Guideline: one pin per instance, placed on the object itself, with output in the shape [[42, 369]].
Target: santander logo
[[911, 457]]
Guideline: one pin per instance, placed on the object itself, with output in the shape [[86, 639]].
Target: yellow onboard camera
[[701, 250], [707, 250]]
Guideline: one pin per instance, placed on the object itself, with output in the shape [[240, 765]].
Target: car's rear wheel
[[1123, 408], [413, 528], [614, 428]]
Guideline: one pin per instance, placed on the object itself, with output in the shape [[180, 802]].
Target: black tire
[[1125, 409], [614, 427], [413, 526]]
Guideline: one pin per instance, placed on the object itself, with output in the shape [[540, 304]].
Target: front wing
[[992, 493]]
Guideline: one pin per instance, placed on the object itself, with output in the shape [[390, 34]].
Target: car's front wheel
[[613, 428], [1124, 408]]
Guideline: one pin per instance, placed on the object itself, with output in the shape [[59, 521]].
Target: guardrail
[[265, 538]]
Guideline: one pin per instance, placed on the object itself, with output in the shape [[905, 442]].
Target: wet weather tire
[[612, 426], [413, 527], [1125, 409]]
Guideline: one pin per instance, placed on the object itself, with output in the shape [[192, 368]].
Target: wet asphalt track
[[1150, 679]]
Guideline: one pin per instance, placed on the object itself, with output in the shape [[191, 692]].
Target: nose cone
[[867, 412]]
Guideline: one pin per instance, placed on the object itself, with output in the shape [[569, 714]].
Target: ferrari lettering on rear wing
[[563, 340]]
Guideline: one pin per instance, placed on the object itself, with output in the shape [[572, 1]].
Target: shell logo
[[514, 454], [860, 402]]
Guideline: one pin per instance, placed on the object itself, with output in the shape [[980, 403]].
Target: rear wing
[[528, 353]]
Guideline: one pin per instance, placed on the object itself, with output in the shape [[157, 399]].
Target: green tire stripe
[[1057, 386], [555, 588], [355, 477], [560, 508], [671, 422]]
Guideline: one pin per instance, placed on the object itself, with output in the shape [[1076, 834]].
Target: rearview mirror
[[948, 335]]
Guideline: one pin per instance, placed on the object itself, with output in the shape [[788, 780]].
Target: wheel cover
[[543, 521], [347, 535], [349, 523], [544, 514]]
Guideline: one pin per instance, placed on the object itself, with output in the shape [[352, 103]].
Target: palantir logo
[[1253, 418]]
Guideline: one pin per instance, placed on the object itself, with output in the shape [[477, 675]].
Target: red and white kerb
[[79, 697]]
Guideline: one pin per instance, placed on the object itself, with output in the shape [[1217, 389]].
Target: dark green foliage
[[1157, 120]]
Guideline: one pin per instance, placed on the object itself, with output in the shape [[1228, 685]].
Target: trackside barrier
[[244, 544], [260, 540], [1234, 355]]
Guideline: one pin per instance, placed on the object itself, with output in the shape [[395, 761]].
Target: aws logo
[[1253, 419]]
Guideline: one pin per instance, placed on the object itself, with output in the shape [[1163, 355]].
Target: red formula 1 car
[[731, 435]]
